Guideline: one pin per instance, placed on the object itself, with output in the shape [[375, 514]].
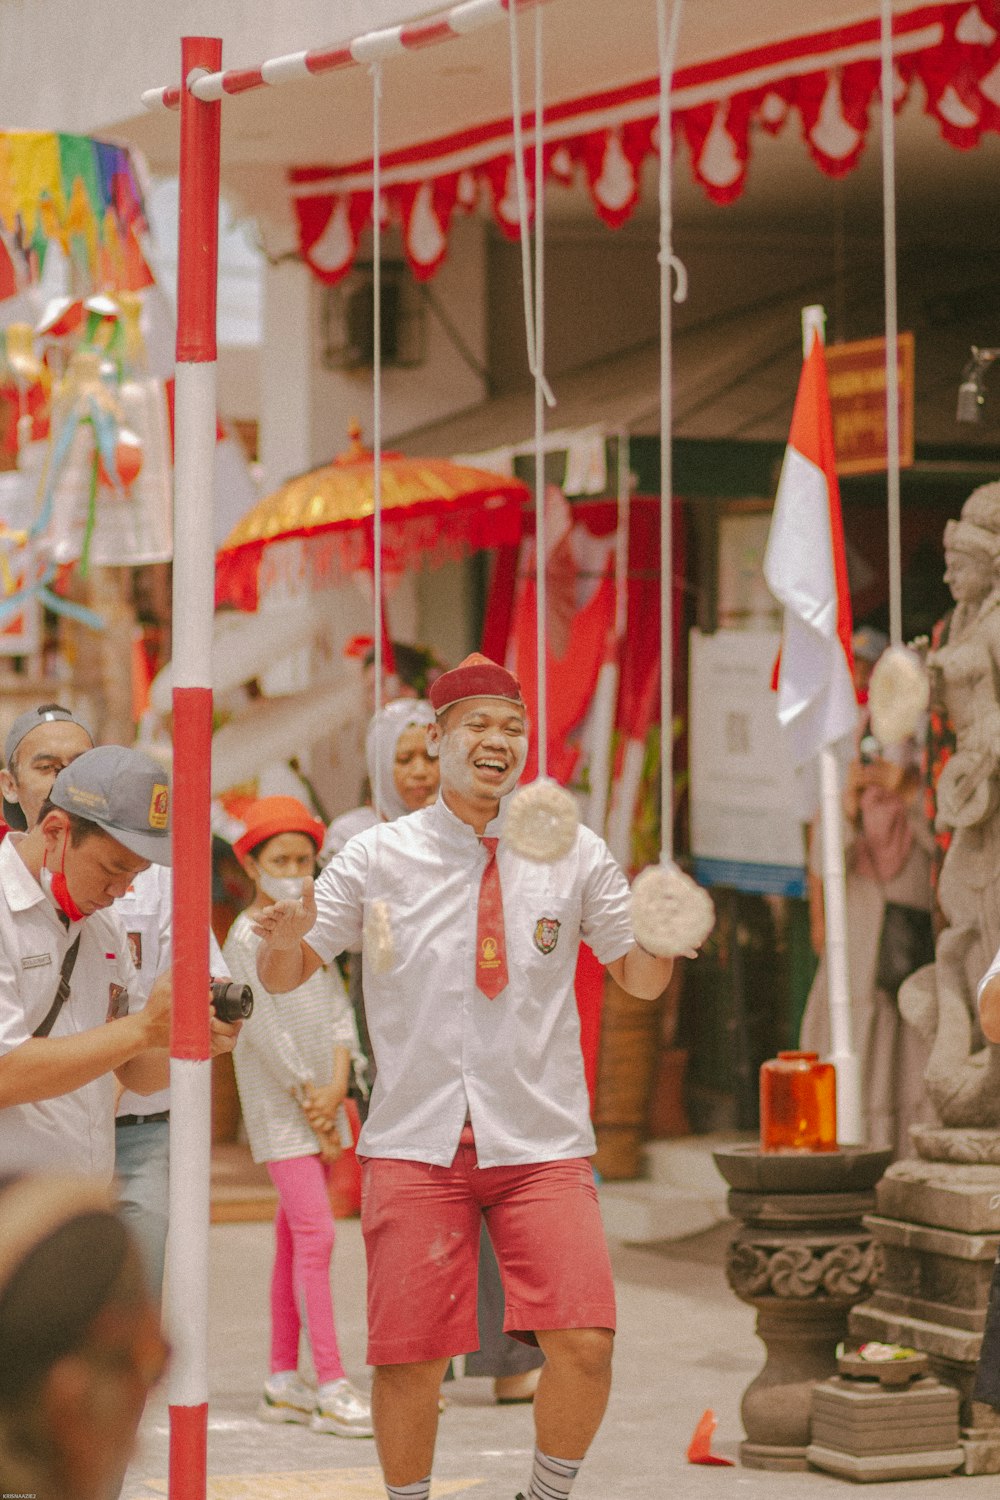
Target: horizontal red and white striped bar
[[370, 47]]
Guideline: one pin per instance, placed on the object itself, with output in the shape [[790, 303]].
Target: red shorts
[[421, 1230]]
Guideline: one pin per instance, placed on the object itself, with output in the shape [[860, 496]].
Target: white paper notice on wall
[[745, 813]]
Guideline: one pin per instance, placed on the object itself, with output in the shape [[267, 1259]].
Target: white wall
[[77, 65], [441, 385], [305, 410]]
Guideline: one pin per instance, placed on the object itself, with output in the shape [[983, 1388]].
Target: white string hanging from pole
[[542, 818], [900, 688], [667, 40], [602, 715], [541, 535], [670, 913], [376, 73], [521, 187], [379, 942]]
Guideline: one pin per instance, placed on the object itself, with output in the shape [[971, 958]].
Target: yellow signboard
[[857, 400]]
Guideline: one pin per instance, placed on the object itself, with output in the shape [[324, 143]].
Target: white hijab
[[384, 733]]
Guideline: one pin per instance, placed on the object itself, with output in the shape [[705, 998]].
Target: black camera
[[233, 1002]]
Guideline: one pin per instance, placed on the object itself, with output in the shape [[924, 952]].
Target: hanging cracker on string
[[898, 695], [671, 914], [541, 821]]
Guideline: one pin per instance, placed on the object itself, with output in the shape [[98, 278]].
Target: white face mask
[[281, 887]]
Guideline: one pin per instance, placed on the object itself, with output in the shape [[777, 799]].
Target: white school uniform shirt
[[287, 1043], [444, 1051], [146, 910], [73, 1132]]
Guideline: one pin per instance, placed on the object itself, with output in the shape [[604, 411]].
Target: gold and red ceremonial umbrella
[[432, 511]]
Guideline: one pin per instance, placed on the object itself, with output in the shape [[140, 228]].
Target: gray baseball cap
[[125, 793], [47, 713]]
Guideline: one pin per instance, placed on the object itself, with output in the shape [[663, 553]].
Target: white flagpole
[[842, 1053]]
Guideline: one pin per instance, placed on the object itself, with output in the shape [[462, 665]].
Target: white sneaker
[[343, 1410], [287, 1398]]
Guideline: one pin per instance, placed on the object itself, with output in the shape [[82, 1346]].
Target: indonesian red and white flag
[[806, 570]]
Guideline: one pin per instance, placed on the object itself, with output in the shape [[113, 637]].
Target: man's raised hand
[[284, 924]]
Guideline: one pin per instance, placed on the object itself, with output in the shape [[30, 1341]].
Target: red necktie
[[491, 951]]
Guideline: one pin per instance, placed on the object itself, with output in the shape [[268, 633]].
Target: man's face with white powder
[[483, 744]]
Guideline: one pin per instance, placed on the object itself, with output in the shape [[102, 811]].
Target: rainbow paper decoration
[[80, 192]]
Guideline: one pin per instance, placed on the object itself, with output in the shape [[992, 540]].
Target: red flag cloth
[[388, 654], [806, 570], [500, 603], [491, 944], [572, 673]]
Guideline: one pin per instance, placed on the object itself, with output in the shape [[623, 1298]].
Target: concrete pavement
[[685, 1343]]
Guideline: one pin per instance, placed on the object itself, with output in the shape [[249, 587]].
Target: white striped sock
[[419, 1491], [552, 1478]]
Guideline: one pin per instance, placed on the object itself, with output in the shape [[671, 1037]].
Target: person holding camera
[[39, 744], [66, 974], [293, 1070]]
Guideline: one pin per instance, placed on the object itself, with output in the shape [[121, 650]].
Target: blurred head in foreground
[[80, 1339]]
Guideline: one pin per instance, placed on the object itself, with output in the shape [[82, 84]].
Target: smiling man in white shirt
[[480, 1106]]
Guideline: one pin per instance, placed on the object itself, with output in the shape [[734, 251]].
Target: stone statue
[[963, 1073], [939, 1291]]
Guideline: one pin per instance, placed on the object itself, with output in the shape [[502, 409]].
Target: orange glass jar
[[798, 1103]]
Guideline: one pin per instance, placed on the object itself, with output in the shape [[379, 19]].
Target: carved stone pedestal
[[802, 1257], [937, 1228]]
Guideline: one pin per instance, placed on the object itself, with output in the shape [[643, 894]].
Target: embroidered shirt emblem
[[117, 1002], [36, 960], [546, 934]]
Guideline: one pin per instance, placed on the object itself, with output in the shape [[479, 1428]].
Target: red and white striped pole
[[193, 601]]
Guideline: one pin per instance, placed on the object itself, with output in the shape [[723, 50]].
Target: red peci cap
[[475, 677], [269, 816]]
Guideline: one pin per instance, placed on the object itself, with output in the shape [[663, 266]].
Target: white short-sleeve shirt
[[445, 1051], [288, 1042], [146, 910], [75, 1131]]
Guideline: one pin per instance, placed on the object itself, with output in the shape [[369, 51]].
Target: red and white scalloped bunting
[[830, 81]]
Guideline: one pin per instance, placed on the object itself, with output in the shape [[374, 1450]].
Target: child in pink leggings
[[293, 1071]]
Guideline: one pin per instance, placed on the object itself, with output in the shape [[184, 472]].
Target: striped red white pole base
[[193, 601]]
